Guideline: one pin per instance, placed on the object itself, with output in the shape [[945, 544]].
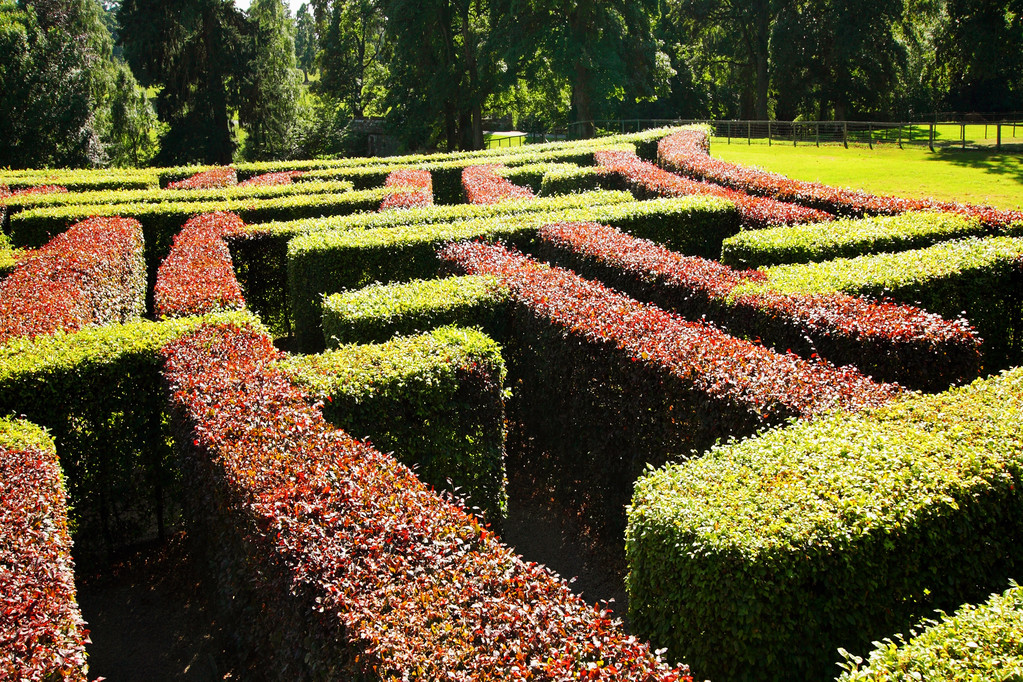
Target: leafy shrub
[[341, 564], [760, 559], [887, 341], [978, 642], [978, 277], [846, 238], [687, 151], [647, 180], [607, 385], [483, 185], [82, 180], [42, 634], [436, 401], [271, 179], [415, 189], [327, 262], [531, 175], [92, 274], [197, 277], [208, 179], [381, 311], [567, 179]]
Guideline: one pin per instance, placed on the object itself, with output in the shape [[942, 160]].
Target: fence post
[[768, 132], [930, 143], [793, 134], [845, 134], [963, 128], [728, 127], [900, 136], [749, 133], [998, 136], [870, 135], [817, 134]]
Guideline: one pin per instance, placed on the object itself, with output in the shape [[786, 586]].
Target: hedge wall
[[979, 277], [889, 342], [42, 634], [980, 642], [846, 238], [436, 401], [98, 393], [380, 311], [485, 185], [337, 563], [327, 262], [604, 385], [760, 559]]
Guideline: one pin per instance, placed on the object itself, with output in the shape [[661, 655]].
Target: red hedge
[[353, 567], [769, 385], [648, 180], [94, 273], [211, 179], [282, 178], [198, 277], [42, 634], [889, 341], [483, 185], [416, 189], [688, 152]]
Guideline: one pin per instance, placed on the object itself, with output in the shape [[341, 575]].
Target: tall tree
[[979, 55], [269, 100], [306, 45], [195, 51], [54, 57], [351, 46], [604, 49]]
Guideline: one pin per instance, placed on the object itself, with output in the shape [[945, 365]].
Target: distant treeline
[[130, 82]]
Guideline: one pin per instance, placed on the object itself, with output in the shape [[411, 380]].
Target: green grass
[[494, 140], [979, 177]]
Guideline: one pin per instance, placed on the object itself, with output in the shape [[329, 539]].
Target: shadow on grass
[[1008, 163]]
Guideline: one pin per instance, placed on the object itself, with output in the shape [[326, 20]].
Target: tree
[[305, 40], [351, 45], [270, 92], [979, 55], [838, 57], [132, 138], [194, 50], [53, 60]]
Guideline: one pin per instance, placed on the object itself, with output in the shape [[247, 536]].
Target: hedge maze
[[791, 413]]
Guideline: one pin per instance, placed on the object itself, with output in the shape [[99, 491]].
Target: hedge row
[[567, 179], [605, 385], [149, 196], [82, 180], [98, 392], [9, 198], [322, 262], [977, 643], [42, 634], [380, 311], [532, 175], [435, 401], [272, 179], [647, 180], [687, 152], [208, 179], [847, 238], [197, 277], [338, 563], [483, 185], [979, 277], [760, 559], [886, 341], [415, 189], [94, 273], [261, 254]]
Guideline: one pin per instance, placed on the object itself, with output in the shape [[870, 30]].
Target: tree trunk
[[219, 148], [581, 100], [762, 36]]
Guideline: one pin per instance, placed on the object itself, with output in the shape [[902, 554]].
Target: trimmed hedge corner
[[436, 401], [760, 559], [380, 311]]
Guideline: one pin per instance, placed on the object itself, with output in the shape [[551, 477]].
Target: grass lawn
[[493, 140], [978, 177]]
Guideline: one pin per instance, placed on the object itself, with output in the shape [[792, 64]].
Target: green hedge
[[381, 311], [760, 559], [98, 391], [328, 262], [532, 175], [977, 643], [572, 179], [981, 277], [80, 180], [435, 400], [846, 238], [260, 256], [149, 196]]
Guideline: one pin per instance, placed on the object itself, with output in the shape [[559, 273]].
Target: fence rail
[[973, 131]]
